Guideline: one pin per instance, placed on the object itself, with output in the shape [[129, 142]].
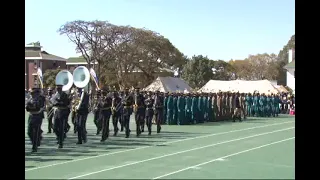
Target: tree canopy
[[121, 50], [49, 77], [128, 56]]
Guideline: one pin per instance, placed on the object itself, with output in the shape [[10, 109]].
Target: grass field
[[255, 148]]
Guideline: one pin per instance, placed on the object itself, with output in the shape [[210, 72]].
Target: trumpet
[[113, 109]]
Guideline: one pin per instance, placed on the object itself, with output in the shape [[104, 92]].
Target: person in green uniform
[[200, 109], [262, 105], [256, 105], [188, 107], [249, 102], [194, 109], [181, 106], [268, 106], [170, 110], [165, 101], [209, 107], [205, 108], [175, 109]]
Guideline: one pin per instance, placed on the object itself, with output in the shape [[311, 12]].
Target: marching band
[[72, 96]]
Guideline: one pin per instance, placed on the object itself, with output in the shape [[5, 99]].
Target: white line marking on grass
[[179, 152], [230, 155], [143, 147]]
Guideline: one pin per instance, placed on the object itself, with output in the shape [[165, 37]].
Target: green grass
[[176, 148]]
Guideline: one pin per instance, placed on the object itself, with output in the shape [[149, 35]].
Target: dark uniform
[[49, 110], [35, 106], [158, 110], [116, 112], [61, 102], [104, 105], [96, 112], [165, 102], [237, 111], [127, 102], [83, 111], [139, 111], [72, 97], [149, 112]]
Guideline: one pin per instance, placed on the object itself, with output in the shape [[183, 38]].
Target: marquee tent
[[261, 86], [168, 84]]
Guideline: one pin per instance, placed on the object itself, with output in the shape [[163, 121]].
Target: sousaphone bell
[[65, 79]]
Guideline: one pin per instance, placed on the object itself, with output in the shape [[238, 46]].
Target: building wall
[[291, 79], [45, 64], [291, 72], [31, 68]]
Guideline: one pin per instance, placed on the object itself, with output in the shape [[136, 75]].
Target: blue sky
[[219, 29]]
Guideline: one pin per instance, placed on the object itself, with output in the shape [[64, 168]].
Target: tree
[[121, 50], [87, 36], [256, 67], [283, 60], [49, 77], [222, 70], [242, 69], [197, 71]]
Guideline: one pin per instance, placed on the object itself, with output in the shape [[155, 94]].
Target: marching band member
[[139, 111], [116, 111], [82, 113], [158, 110], [60, 102], [49, 110], [127, 102], [149, 111], [35, 106], [96, 111], [105, 112]]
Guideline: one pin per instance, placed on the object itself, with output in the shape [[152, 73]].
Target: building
[[290, 67], [36, 58]]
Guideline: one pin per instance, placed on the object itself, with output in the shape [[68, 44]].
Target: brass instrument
[[113, 108], [135, 106], [80, 78], [48, 106], [75, 103], [48, 103]]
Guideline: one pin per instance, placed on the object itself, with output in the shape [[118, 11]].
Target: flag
[[40, 77], [94, 77]]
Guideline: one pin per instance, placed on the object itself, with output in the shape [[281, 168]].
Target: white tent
[[168, 84], [216, 86], [262, 86]]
